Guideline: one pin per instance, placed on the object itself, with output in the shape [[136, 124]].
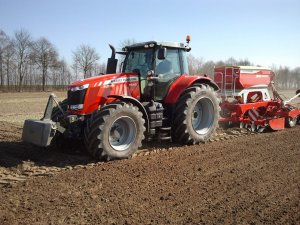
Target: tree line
[[25, 62], [34, 64]]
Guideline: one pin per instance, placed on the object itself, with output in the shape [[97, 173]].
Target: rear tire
[[196, 115], [114, 132]]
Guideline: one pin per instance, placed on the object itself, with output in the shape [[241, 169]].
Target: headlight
[[85, 86], [76, 107]]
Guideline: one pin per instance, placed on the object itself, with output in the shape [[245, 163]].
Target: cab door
[[167, 71]]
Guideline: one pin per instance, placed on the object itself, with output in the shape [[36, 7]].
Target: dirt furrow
[[237, 178]]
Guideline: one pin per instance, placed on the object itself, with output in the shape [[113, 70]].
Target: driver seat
[[164, 67]]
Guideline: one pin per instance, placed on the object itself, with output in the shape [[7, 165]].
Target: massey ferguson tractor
[[153, 98]]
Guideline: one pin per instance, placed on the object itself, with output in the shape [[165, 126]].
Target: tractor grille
[[76, 97]]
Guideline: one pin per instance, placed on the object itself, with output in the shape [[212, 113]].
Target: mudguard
[[135, 102], [182, 83]]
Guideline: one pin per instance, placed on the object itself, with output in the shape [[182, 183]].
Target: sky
[[266, 32]]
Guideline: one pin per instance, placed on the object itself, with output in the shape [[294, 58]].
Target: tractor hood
[[86, 95], [102, 80], [93, 80]]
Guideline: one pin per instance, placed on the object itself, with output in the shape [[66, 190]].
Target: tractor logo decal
[[121, 80], [262, 76]]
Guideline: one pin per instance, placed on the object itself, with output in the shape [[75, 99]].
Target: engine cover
[[85, 96]]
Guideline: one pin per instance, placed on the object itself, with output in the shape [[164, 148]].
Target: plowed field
[[239, 178]]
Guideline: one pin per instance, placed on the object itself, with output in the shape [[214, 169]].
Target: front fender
[[136, 103]]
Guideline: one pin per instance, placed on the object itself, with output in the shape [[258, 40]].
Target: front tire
[[196, 115], [114, 132]]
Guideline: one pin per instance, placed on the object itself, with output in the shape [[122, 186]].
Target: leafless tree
[[60, 73], [67, 75], [123, 44], [27, 65], [200, 67], [4, 41], [231, 61], [194, 64], [126, 42], [244, 62], [75, 70], [64, 76], [84, 59], [22, 43], [9, 61], [44, 55], [99, 68]]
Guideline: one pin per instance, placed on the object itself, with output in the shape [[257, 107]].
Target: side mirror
[[162, 53], [298, 92]]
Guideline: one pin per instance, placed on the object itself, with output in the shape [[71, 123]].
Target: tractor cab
[[158, 65]]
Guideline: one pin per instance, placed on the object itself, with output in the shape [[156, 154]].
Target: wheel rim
[[122, 133], [292, 122], [203, 116]]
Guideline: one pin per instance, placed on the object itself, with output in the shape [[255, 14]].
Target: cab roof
[[154, 44]]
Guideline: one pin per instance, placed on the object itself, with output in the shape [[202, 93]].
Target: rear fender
[[136, 103], [184, 82]]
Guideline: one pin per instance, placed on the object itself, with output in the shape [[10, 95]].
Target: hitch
[[49, 107], [291, 99]]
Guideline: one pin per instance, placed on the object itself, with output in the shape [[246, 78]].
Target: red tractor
[[153, 98]]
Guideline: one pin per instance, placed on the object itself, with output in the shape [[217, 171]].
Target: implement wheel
[[290, 122]]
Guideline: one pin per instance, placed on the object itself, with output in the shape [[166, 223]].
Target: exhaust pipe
[[112, 62], [113, 51]]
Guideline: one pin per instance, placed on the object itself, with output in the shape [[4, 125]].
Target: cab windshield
[[166, 70], [139, 60]]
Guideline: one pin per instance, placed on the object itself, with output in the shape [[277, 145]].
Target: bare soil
[[239, 178]]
